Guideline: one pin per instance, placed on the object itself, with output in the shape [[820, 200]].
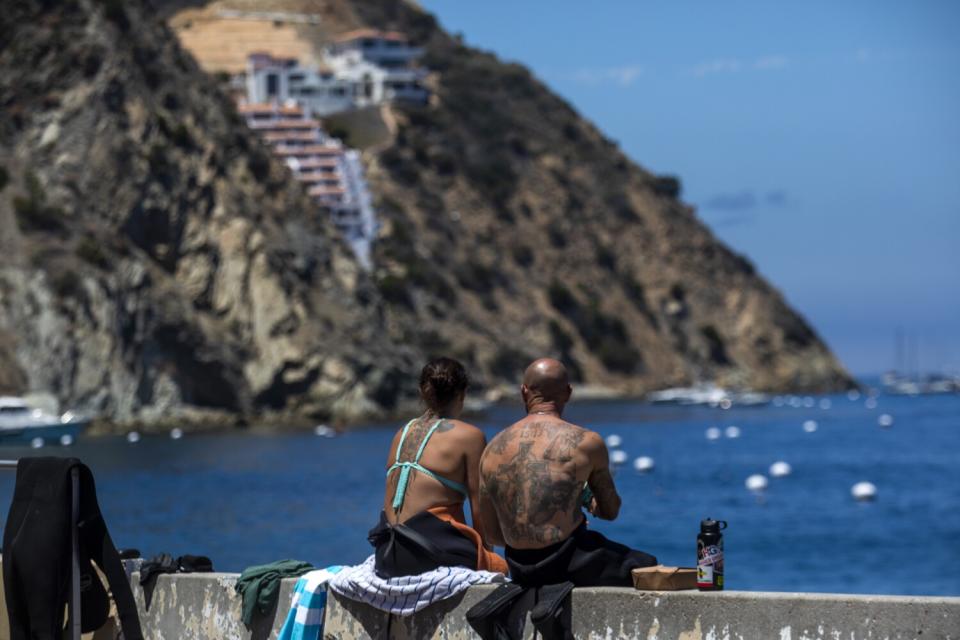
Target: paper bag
[[661, 578]]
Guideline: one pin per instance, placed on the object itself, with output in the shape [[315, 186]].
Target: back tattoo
[[532, 495]]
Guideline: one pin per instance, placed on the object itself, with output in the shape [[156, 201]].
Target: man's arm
[[490, 530], [606, 501], [474, 447]]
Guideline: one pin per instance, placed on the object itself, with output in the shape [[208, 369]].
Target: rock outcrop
[[158, 265], [515, 228]]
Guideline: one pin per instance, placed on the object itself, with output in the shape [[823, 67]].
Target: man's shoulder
[[499, 443], [584, 439]]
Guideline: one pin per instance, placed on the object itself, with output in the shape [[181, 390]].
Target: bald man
[[537, 476]]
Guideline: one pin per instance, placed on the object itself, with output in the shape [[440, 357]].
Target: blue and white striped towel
[[408, 594], [305, 619]]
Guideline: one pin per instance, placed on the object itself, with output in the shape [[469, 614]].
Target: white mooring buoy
[[864, 491], [713, 433], [780, 469], [36, 443], [885, 421], [732, 431], [618, 457], [756, 483], [613, 441], [66, 440], [133, 437], [810, 426], [643, 464]]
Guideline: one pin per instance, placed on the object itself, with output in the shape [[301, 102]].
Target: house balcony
[[283, 125], [320, 151]]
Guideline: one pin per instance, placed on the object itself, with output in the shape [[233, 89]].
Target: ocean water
[[247, 499]]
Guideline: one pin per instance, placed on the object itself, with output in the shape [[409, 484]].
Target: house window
[[273, 84], [296, 77]]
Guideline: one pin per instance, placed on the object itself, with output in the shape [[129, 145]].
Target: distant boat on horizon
[[933, 384], [707, 394]]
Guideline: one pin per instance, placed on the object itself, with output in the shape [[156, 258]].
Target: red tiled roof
[[319, 178], [309, 150], [318, 163], [263, 107], [286, 123], [280, 136], [261, 59], [320, 190]]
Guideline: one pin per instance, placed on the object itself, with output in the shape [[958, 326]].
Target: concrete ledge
[[608, 613], [204, 606]]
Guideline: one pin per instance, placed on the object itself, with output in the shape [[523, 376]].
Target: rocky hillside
[[156, 264], [515, 228]]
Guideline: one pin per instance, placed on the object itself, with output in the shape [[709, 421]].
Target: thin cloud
[[770, 63], [741, 208], [735, 65], [623, 76], [739, 201], [776, 198], [720, 65]]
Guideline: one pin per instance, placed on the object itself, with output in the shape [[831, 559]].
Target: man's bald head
[[546, 379]]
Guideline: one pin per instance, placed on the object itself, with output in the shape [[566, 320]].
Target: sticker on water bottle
[[704, 576]]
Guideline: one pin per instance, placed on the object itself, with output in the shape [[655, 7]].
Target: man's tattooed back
[[533, 474]]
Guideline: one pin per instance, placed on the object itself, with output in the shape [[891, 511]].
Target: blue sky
[[821, 139]]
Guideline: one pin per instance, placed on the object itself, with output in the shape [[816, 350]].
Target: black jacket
[[37, 550]]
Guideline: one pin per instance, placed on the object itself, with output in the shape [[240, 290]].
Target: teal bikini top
[[414, 465]]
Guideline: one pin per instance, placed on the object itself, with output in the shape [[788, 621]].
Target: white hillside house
[[332, 174], [361, 69]]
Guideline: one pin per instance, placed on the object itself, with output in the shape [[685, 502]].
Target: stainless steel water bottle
[[710, 555]]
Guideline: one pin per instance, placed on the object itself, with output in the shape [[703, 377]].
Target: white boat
[[19, 422], [709, 395], [700, 394]]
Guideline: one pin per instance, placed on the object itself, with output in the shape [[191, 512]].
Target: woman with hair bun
[[432, 469]]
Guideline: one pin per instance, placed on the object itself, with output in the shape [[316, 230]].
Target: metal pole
[[75, 553]]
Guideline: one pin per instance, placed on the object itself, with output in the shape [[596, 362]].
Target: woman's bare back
[[447, 454]]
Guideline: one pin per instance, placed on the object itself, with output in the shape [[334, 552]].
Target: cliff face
[[515, 228], [155, 262]]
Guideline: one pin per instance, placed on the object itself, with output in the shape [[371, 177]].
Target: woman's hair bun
[[442, 380]]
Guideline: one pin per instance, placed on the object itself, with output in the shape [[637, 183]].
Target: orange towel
[[486, 560]]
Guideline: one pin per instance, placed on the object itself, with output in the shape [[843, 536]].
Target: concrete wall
[[204, 606]]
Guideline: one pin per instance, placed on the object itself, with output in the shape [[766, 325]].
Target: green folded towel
[[260, 585]]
